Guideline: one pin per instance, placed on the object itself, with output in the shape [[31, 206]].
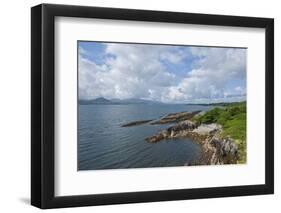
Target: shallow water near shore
[[104, 144]]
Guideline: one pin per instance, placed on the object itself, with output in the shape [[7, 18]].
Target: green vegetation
[[232, 117]]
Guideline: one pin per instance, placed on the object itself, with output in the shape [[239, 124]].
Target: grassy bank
[[232, 117]]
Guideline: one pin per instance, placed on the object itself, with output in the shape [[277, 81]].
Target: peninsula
[[221, 132]]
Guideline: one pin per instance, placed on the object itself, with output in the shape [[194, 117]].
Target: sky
[[165, 73]]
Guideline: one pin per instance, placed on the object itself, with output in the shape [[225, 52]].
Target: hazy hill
[[95, 101], [104, 101]]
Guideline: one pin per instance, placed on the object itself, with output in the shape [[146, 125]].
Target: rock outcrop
[[186, 129], [175, 117], [215, 149], [181, 129], [218, 151], [170, 118]]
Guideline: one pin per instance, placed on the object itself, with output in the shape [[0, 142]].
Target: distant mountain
[[219, 103], [104, 101], [134, 101], [95, 101]]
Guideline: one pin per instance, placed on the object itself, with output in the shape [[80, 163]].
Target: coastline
[[217, 146]]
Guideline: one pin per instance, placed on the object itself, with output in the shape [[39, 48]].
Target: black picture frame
[[43, 102]]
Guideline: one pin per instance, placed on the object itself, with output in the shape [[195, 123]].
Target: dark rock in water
[[176, 117], [155, 138], [179, 130], [170, 118], [135, 123]]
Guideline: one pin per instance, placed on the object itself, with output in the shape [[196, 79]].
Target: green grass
[[232, 117]]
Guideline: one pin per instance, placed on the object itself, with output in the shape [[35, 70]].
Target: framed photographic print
[[139, 106]]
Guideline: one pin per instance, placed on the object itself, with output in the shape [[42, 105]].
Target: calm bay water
[[104, 144]]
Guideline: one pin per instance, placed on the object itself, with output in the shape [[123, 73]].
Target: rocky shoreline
[[216, 149]]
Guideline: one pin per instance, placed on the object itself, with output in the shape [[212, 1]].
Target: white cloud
[[173, 56], [216, 68], [134, 71], [137, 71], [82, 51]]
